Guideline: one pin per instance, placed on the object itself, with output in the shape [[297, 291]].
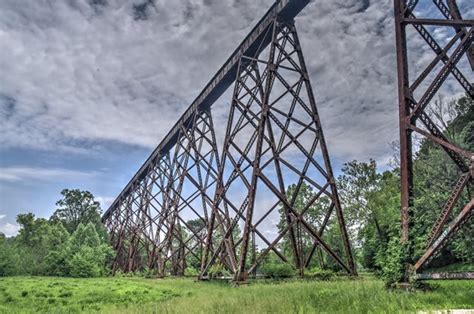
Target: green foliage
[[56, 260], [371, 200], [302, 199], [278, 270], [34, 241], [218, 270], [436, 174], [57, 263], [320, 274], [391, 262], [85, 235], [84, 263], [45, 247], [150, 273], [178, 295], [8, 259], [191, 272], [73, 295], [75, 208], [89, 255]]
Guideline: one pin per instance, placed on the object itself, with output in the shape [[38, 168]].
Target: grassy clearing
[[59, 295], [137, 295]]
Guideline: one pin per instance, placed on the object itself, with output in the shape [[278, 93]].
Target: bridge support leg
[[273, 140]]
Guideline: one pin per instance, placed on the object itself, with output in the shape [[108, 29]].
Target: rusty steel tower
[[416, 89], [212, 203]]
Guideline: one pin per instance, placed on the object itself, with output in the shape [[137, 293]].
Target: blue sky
[[89, 88]]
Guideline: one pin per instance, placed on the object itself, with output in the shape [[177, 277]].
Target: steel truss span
[[415, 95], [208, 204]]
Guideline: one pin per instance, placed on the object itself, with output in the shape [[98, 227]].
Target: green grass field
[[139, 295]]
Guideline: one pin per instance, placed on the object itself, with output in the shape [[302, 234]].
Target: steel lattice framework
[[414, 97], [194, 201]]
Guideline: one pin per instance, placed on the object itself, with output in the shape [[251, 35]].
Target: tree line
[[72, 242]]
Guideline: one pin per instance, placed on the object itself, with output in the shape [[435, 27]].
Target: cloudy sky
[[89, 87]]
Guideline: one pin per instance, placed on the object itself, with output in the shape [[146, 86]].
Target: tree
[[435, 175], [196, 228], [385, 202], [358, 181], [77, 207], [84, 263], [56, 260], [46, 247], [88, 253], [8, 257], [32, 243], [314, 216]]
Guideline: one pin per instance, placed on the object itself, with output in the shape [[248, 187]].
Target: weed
[[65, 294]]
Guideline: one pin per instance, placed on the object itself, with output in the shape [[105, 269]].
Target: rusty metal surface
[[447, 234], [222, 80], [258, 136], [196, 202], [412, 109], [446, 275]]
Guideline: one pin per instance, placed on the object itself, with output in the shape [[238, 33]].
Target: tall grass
[[342, 296], [137, 295]]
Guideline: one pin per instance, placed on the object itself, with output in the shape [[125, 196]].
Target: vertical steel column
[[406, 158], [412, 110]]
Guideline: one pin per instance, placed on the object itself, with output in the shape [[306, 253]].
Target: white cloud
[[104, 201], [14, 174], [2, 216], [75, 73], [9, 229]]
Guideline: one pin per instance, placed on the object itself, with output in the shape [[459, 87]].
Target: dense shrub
[[149, 273], [218, 270], [73, 242], [57, 263], [191, 272], [83, 264], [321, 274], [391, 262], [280, 270], [8, 260]]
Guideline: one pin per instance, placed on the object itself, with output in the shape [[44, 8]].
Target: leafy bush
[[9, 260], [218, 270], [46, 247], [391, 262], [321, 274], [281, 270], [150, 273], [191, 272], [56, 263], [84, 264], [119, 273]]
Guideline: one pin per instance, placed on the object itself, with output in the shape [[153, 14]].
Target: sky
[[89, 87]]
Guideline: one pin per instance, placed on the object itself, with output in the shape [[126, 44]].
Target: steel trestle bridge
[[210, 205]]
